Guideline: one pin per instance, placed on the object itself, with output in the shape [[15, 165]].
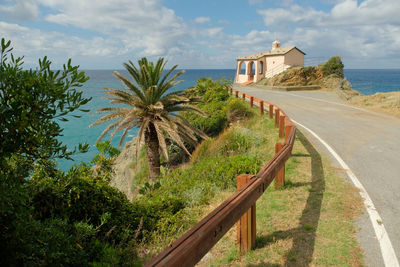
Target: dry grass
[[388, 103], [308, 223]]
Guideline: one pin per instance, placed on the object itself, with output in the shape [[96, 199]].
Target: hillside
[[331, 79], [328, 76]]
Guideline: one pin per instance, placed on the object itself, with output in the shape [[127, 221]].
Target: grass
[[308, 223]]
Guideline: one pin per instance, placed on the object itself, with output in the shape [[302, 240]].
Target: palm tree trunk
[[153, 153]]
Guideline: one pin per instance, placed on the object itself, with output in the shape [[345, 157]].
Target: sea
[[366, 81]]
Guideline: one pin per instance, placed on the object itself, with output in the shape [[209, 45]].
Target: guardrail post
[[281, 126], [246, 226], [237, 94], [280, 177], [288, 129], [271, 111], [262, 107], [277, 111], [251, 101]]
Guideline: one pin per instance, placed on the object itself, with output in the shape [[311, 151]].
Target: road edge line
[[387, 250]]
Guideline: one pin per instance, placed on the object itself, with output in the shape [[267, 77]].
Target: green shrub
[[333, 66], [105, 159], [76, 196], [214, 96], [214, 122], [238, 110], [209, 90]]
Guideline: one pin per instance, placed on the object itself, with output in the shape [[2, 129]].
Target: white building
[[268, 64]]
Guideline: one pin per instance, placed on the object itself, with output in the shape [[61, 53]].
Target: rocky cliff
[[123, 174]]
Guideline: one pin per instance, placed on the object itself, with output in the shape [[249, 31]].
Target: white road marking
[[387, 250], [388, 253]]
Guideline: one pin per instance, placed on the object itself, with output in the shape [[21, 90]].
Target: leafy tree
[[31, 103], [333, 66], [152, 108]]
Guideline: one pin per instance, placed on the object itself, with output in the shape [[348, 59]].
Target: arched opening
[[242, 68], [251, 71], [261, 67]]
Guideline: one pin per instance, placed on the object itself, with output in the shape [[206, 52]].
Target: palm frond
[[106, 130], [142, 129], [189, 108], [129, 84], [173, 134], [127, 128], [107, 117], [111, 109], [161, 140], [150, 102], [187, 123]]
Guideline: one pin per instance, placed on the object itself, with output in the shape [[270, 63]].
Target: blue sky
[[102, 34]]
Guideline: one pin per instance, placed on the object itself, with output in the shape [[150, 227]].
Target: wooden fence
[[240, 207]]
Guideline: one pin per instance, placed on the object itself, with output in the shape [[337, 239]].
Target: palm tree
[[152, 109]]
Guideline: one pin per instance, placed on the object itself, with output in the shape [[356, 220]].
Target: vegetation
[[31, 103], [153, 109], [238, 110], [214, 99], [333, 66], [48, 217], [310, 222]]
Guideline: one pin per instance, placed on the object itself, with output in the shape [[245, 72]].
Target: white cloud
[[202, 20], [138, 24], [20, 10], [364, 33], [120, 30], [34, 44], [213, 32]]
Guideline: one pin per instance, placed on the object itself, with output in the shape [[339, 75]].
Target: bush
[[105, 159], [238, 110], [77, 196], [214, 96], [333, 66], [214, 122]]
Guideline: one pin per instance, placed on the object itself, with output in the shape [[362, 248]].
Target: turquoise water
[[76, 130]]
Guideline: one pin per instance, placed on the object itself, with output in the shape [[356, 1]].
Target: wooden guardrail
[[240, 207]]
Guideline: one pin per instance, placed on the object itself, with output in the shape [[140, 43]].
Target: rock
[[123, 175]]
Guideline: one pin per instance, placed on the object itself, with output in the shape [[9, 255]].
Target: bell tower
[[276, 44]]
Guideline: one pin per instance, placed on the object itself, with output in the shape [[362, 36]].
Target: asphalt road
[[368, 142]]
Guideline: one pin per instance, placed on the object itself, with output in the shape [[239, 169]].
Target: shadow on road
[[303, 236]]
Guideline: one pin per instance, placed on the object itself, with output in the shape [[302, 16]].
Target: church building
[[254, 67]]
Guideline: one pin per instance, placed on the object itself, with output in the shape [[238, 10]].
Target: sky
[[201, 34]]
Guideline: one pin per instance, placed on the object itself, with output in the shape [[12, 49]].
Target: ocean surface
[[76, 130]]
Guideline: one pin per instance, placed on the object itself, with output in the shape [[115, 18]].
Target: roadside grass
[[197, 187], [308, 223]]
